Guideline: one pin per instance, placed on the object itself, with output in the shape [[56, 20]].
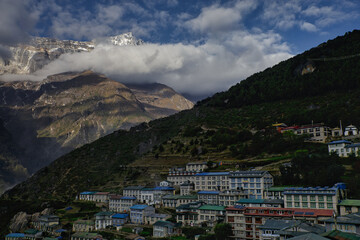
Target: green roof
[[31, 231], [350, 202], [212, 207], [104, 214], [341, 235], [246, 200], [85, 235], [277, 189]]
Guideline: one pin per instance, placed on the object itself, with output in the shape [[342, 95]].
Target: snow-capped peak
[[125, 39]]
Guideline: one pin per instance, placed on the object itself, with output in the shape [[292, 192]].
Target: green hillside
[[233, 127]]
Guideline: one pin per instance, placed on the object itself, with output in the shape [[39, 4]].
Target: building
[[47, 223], [247, 220], [139, 212], [165, 184], [351, 130], [126, 203], [119, 219], [209, 197], [86, 236], [163, 229], [180, 177], [187, 188], [230, 197], [196, 166], [87, 196], [253, 183], [315, 197], [173, 201], [316, 132], [211, 181], [349, 223], [83, 226], [344, 148], [114, 203], [187, 213], [211, 214], [276, 203], [349, 206], [15, 236], [101, 197], [274, 193], [154, 217], [133, 191], [147, 195], [103, 219], [161, 191]]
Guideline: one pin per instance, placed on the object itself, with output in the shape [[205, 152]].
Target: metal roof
[[248, 173], [212, 174], [350, 202], [139, 207], [339, 141], [16, 235], [134, 188], [212, 207], [120, 215], [104, 214], [128, 198], [208, 192]]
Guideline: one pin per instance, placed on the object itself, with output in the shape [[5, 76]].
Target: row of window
[[312, 198], [311, 205]]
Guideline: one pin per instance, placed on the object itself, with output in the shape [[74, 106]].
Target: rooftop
[[212, 207], [350, 202], [353, 218], [336, 234], [166, 224], [15, 235], [277, 189], [339, 142], [134, 188], [139, 207], [248, 173], [128, 198], [308, 236], [353, 145], [212, 174], [160, 188], [209, 192], [87, 193], [120, 215], [86, 235], [102, 193], [104, 214]]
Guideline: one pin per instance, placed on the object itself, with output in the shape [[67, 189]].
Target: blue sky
[[200, 47]]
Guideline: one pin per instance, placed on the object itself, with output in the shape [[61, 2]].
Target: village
[[194, 197]]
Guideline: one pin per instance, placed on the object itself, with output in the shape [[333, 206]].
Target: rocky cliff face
[[28, 58], [65, 111]]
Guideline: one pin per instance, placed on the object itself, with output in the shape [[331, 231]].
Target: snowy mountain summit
[[125, 39]]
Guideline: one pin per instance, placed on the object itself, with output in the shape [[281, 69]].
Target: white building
[[344, 148], [103, 219], [351, 130], [133, 191], [196, 166]]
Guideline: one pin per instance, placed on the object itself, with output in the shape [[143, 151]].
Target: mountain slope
[[219, 121]]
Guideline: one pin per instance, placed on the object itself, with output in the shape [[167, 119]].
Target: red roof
[[102, 193]]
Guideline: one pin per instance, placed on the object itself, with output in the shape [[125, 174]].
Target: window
[[329, 198], [313, 205], [304, 198], [258, 185], [252, 180], [305, 205], [297, 204], [258, 180], [321, 205], [296, 198], [329, 206], [289, 204], [321, 198], [312, 198]]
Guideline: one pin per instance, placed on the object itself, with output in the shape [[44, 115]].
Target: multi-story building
[[147, 195], [163, 229], [196, 166], [86, 236], [187, 188], [260, 202], [114, 203], [173, 201], [139, 212], [344, 148], [315, 197], [317, 132], [215, 181], [210, 214], [351, 130], [247, 220], [274, 193], [46, 223], [187, 213], [101, 197], [119, 219], [348, 223], [133, 191], [126, 203], [230, 197], [180, 177], [253, 183], [83, 226], [103, 219], [161, 191], [86, 196], [349, 206], [154, 217], [209, 197]]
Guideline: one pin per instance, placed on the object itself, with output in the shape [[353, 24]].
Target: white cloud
[[197, 69], [308, 27]]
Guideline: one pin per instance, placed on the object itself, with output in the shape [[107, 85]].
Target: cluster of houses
[[319, 132], [247, 200]]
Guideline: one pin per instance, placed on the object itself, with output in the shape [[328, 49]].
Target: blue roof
[[120, 215], [208, 192], [139, 207], [16, 235], [61, 230], [128, 198], [164, 188], [212, 174], [250, 200], [339, 141], [353, 145], [87, 193]]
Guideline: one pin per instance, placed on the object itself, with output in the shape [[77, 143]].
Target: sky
[[196, 47]]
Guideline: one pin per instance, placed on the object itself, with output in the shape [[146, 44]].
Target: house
[[119, 219], [187, 188], [133, 191], [253, 183], [348, 223], [15, 236], [114, 202], [349, 206], [344, 148], [229, 197], [341, 235], [165, 184], [101, 197], [351, 130], [336, 132], [314, 197], [147, 195], [164, 229], [154, 217], [120, 204], [86, 196], [211, 214], [47, 223], [211, 181], [274, 192], [187, 213], [83, 226], [286, 228], [160, 191], [317, 132], [179, 177], [173, 201], [277, 203], [86, 236], [196, 166], [309, 236], [139, 212], [32, 234], [103, 219], [209, 197]]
